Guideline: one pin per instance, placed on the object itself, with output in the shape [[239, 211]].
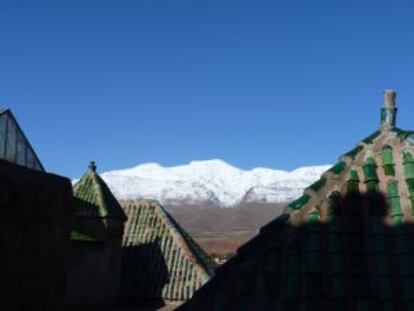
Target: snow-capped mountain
[[213, 182]]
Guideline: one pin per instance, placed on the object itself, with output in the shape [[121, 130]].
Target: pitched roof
[[93, 199], [346, 244], [14, 146], [161, 260]]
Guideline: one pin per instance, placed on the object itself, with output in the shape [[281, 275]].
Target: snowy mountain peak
[[210, 163], [212, 182]]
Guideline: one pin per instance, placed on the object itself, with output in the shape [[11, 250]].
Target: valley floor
[[221, 231]]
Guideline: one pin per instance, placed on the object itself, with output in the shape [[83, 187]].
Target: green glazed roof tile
[[388, 161], [300, 202], [337, 263], [393, 189], [408, 163], [385, 288], [353, 152], [353, 175], [370, 138], [409, 284], [316, 186], [337, 285], [293, 286], [338, 168], [407, 157], [370, 170], [387, 157]]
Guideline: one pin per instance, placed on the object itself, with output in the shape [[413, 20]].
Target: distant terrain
[[222, 231], [220, 205]]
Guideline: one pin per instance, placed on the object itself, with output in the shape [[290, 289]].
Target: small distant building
[[161, 262], [95, 258], [346, 244], [35, 209]]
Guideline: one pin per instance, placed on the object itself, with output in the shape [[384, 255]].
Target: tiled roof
[[160, 259], [14, 146], [93, 199], [346, 244]]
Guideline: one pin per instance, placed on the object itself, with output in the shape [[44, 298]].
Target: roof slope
[[93, 199], [14, 146], [161, 260], [346, 244]]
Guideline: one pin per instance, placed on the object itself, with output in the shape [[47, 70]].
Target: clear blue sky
[[278, 84]]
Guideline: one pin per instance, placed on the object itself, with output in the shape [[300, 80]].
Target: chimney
[[389, 111]]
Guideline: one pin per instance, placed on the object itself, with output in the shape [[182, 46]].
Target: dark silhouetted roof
[[14, 146]]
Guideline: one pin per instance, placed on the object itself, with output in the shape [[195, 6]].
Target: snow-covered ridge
[[213, 182]]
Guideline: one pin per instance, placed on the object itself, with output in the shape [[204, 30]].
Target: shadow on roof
[[145, 276], [358, 257]]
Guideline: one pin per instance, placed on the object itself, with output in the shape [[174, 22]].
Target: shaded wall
[[94, 275], [35, 210], [94, 268]]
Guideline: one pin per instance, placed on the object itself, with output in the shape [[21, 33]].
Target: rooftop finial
[[389, 98], [92, 166], [389, 111]]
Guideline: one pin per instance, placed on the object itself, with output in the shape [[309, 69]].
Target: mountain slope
[[213, 183]]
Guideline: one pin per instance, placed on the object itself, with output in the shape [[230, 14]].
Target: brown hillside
[[222, 231]]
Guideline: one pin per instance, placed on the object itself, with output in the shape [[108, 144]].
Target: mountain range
[[211, 183]]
